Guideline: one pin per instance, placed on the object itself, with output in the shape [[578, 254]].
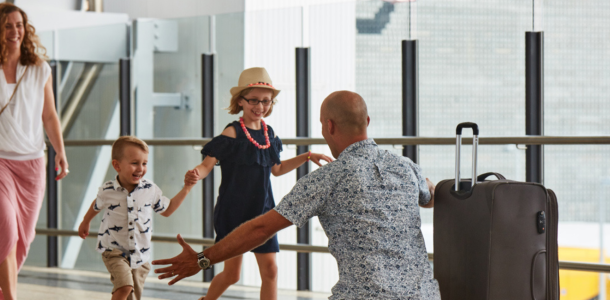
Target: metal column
[[207, 131], [410, 95], [534, 97], [302, 109], [52, 203], [125, 95]]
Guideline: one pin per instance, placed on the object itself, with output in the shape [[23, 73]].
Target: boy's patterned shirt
[[127, 222], [367, 202]]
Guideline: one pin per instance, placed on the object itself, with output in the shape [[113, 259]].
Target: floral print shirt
[[367, 202]]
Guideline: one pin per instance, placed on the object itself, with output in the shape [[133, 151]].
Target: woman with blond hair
[[27, 106]]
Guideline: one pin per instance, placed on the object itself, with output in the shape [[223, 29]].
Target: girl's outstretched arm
[[206, 166], [203, 169], [293, 163]]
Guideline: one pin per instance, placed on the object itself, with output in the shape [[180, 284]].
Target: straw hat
[[254, 77]]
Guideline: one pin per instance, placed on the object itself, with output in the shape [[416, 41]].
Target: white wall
[[172, 9], [54, 4], [274, 4]]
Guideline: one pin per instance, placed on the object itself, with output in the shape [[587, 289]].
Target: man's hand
[[83, 230], [191, 177], [431, 187], [183, 265]]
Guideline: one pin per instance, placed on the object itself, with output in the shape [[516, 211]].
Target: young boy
[[126, 228]]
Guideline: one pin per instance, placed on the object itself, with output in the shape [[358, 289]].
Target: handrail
[[565, 265], [195, 241], [519, 140]]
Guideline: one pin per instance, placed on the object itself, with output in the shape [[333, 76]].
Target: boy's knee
[[123, 291]]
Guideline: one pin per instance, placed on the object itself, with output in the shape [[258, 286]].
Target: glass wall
[[576, 103]]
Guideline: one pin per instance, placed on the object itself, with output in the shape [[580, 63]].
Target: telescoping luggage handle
[[458, 145]]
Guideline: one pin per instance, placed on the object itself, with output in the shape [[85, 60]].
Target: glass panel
[[380, 28], [576, 103], [583, 191], [270, 39], [230, 62], [471, 66], [180, 72], [576, 67], [92, 121]]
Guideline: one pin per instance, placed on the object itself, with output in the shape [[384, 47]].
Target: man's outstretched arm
[[245, 238]]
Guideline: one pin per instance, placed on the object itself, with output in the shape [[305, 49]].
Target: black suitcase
[[494, 239]]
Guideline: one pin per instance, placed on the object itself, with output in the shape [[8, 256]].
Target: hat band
[[261, 83]]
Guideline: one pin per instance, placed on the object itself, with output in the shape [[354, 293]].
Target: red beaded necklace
[[243, 127]]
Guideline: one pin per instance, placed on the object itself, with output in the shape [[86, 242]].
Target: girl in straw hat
[[248, 153]]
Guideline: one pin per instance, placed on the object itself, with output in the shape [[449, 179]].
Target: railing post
[[410, 95], [534, 97], [207, 130], [52, 199], [302, 109], [125, 95]]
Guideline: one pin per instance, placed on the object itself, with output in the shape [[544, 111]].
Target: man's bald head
[[347, 110]]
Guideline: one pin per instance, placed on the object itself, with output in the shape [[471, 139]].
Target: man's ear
[[331, 126], [368, 121], [116, 165]]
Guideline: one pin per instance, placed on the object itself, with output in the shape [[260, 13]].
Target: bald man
[[367, 202]]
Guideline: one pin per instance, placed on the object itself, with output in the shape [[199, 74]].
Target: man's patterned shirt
[[367, 202]]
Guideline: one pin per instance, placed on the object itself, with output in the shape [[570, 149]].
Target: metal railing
[[521, 140], [303, 248]]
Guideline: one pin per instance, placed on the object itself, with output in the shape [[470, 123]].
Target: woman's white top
[[21, 130]]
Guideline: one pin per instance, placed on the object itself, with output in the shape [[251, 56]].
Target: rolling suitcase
[[494, 239]]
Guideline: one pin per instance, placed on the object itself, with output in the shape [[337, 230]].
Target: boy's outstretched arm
[[83, 229], [204, 168], [177, 200]]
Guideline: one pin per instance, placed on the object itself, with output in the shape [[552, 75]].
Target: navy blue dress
[[245, 188]]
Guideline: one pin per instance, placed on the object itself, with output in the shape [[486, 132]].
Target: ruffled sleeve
[[243, 152]]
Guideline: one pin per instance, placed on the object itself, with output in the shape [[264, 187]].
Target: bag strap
[[15, 91]]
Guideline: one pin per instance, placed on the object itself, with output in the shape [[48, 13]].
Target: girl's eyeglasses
[[256, 101]]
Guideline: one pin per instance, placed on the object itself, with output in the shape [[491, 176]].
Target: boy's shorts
[[121, 273]]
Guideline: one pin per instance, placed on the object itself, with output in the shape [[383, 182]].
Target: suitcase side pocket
[[538, 276]]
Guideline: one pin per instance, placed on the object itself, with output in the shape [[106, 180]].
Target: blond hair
[[234, 107], [128, 140]]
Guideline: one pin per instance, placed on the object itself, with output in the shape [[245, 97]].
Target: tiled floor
[[59, 284]]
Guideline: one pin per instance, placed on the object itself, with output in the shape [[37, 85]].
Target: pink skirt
[[22, 186]]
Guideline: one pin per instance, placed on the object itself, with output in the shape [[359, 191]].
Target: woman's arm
[[295, 162], [51, 125]]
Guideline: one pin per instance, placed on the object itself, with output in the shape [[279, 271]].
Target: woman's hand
[[316, 157], [61, 162]]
